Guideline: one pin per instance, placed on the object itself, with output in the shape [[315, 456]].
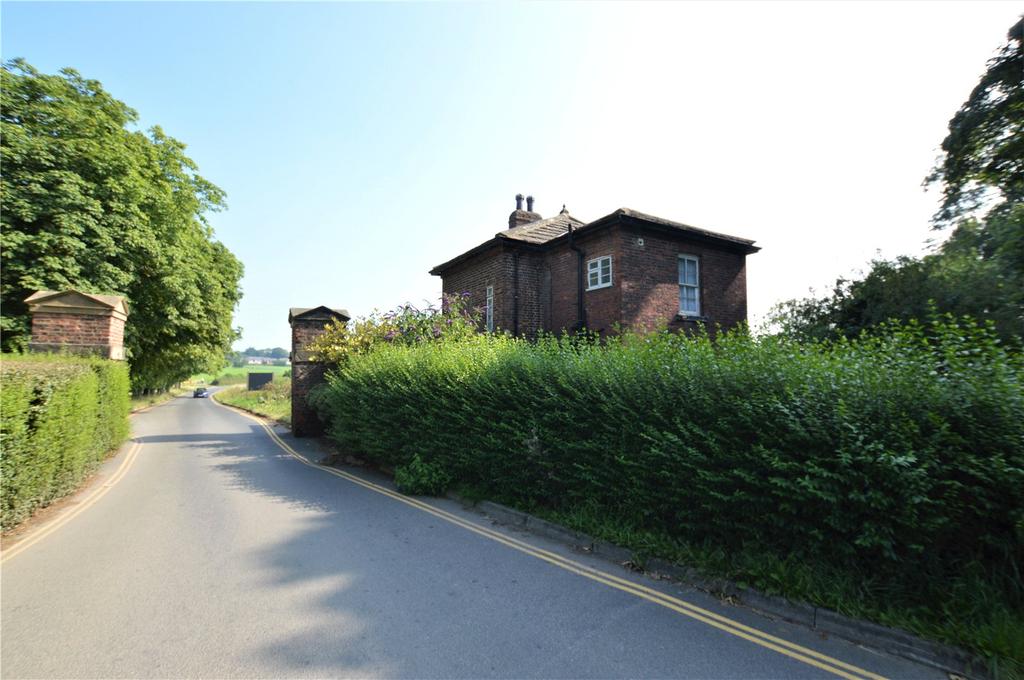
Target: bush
[[404, 326], [895, 461], [420, 478], [60, 417]]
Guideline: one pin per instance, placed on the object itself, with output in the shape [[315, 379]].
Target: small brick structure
[[78, 323], [308, 323]]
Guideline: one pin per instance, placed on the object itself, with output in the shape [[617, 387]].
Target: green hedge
[[894, 459], [59, 417]]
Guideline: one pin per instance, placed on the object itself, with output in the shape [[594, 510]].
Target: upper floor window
[[689, 285], [599, 272], [489, 309]]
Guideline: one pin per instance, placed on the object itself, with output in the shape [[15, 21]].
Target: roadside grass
[[272, 400]]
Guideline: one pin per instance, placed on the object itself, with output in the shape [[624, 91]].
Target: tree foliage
[[983, 154], [90, 203], [979, 270]]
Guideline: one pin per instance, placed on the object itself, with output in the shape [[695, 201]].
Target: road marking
[[785, 647], [88, 502]]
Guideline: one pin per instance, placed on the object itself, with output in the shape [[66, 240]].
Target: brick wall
[[490, 268], [645, 283], [534, 295], [73, 329], [603, 305], [94, 334], [650, 281]]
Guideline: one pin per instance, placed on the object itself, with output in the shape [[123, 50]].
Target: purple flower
[[390, 335], [437, 332]]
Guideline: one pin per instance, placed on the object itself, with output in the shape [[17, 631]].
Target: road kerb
[[871, 635]]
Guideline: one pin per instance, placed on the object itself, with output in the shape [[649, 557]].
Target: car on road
[[200, 392]]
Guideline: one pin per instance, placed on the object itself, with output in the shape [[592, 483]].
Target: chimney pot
[[519, 201], [529, 203]]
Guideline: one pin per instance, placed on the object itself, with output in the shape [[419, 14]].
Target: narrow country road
[[217, 553]]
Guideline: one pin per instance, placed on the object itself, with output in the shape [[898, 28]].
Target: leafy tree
[[90, 203], [979, 270], [983, 154], [279, 353]]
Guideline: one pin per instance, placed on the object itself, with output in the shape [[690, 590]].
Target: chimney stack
[[520, 216]]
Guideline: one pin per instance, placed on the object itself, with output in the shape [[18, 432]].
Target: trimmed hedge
[[897, 458], [59, 417]]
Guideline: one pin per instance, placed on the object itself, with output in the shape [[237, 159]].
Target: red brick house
[[625, 268]]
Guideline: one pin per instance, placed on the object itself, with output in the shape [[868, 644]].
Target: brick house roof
[[542, 231], [627, 214], [547, 231]]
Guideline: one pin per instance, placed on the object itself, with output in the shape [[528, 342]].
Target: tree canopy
[[983, 154], [90, 203], [979, 270]]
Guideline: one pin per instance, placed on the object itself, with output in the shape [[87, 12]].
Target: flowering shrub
[[403, 326]]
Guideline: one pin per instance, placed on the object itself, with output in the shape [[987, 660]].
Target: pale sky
[[362, 144]]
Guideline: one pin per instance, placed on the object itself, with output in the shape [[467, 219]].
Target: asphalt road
[[213, 552]]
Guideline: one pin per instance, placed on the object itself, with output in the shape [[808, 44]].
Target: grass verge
[[273, 400]]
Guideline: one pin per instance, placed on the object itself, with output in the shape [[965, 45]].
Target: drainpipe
[[515, 292], [581, 312]]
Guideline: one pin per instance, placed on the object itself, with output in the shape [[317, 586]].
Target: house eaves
[[633, 218]]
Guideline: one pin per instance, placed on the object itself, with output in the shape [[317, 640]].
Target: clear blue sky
[[361, 144]]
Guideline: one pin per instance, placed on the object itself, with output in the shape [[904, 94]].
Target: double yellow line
[[723, 623], [88, 502]]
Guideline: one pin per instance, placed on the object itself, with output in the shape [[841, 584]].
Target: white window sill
[[603, 285], [683, 316]]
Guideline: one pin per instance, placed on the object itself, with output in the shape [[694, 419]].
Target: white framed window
[[689, 285], [599, 272], [489, 309]]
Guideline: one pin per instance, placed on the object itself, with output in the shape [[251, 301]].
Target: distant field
[[233, 375]]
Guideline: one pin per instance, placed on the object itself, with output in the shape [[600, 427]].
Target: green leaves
[[984, 150], [90, 203], [864, 450], [59, 418]]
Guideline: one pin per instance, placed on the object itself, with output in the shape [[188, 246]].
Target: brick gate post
[[77, 323], [307, 323]]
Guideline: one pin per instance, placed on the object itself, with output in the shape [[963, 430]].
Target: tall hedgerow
[[897, 457], [59, 417]]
